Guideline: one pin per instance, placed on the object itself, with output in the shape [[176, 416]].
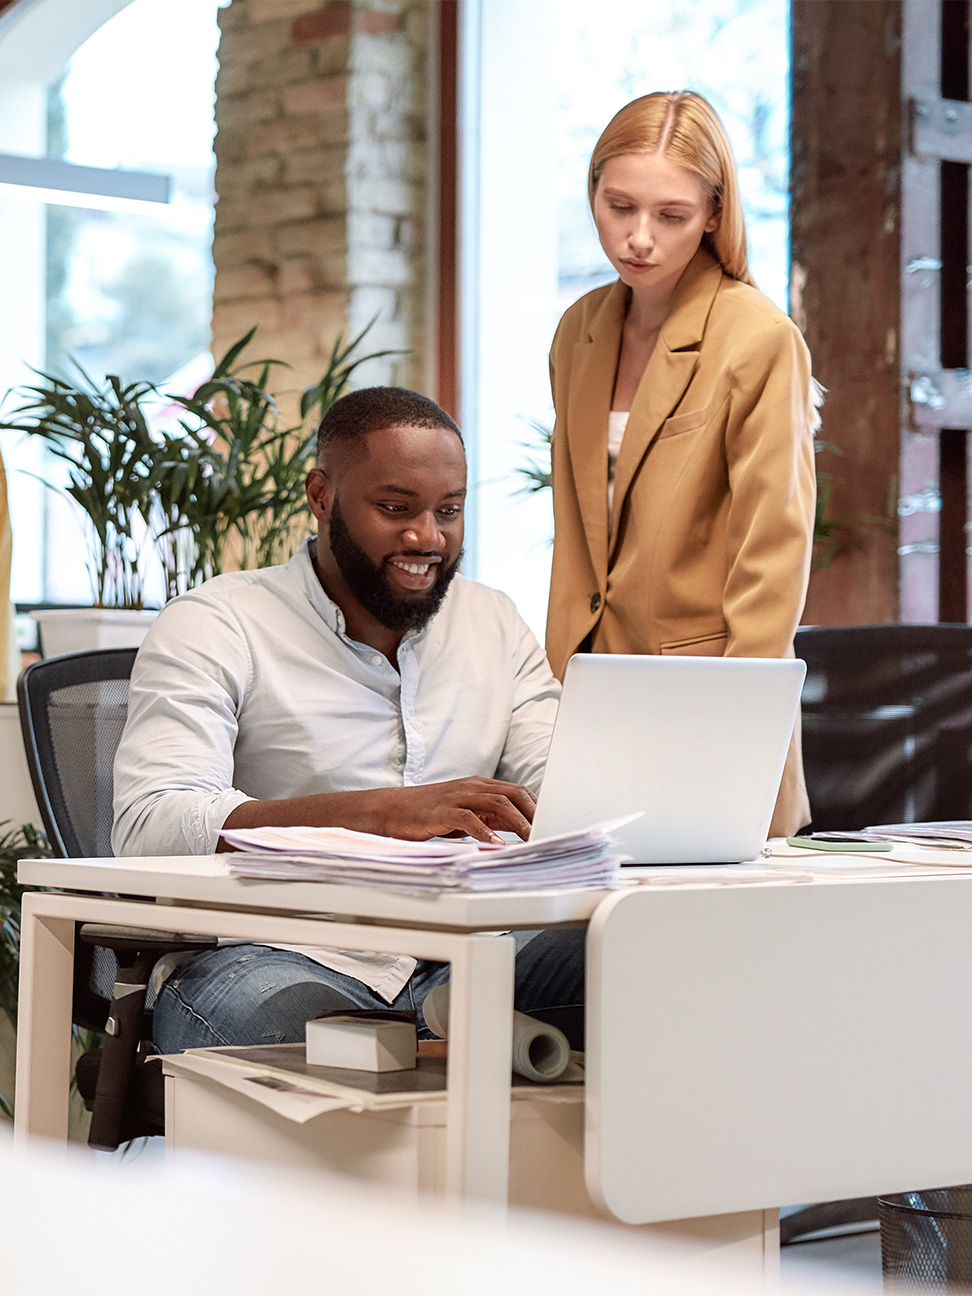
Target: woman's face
[[650, 214]]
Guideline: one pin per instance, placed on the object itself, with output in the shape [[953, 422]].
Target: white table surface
[[802, 965], [769, 1045], [197, 894], [205, 879]]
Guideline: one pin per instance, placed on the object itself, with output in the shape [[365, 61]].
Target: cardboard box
[[361, 1045]]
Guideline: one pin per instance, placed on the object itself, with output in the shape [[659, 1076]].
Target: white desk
[[765, 1045], [255, 1229], [749, 1045], [197, 895]]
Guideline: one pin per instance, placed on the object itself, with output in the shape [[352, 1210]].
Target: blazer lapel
[[668, 373], [593, 369]]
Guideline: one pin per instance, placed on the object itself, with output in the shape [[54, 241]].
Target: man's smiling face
[[390, 511]]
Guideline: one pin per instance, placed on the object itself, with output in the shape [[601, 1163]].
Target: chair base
[[145, 1104], [822, 1217]]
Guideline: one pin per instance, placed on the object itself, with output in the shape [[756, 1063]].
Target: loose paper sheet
[[279, 1077]]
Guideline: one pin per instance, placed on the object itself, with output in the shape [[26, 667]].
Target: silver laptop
[[696, 743]]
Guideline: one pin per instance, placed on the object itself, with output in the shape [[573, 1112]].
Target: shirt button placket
[[414, 742]]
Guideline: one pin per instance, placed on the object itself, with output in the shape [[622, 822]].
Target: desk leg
[[745, 1245], [771, 1249], [44, 1023], [480, 1063]]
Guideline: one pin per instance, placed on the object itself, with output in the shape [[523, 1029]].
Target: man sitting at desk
[[348, 688]]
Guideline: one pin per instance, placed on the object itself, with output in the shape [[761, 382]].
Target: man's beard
[[368, 581]]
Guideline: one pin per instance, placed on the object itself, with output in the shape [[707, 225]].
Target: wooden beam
[[846, 148]]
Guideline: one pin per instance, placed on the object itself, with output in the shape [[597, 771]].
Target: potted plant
[[101, 433], [228, 478], [241, 488]]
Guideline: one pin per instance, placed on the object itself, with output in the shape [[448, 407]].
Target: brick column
[[321, 159]]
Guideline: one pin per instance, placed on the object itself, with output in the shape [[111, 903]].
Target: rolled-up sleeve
[[174, 767]]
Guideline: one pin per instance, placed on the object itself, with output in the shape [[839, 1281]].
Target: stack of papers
[[943, 834], [586, 858]]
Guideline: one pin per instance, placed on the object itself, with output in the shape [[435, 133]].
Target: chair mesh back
[[73, 711], [86, 726], [887, 723]]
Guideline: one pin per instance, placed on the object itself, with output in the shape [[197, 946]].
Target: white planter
[[66, 630], [17, 804]]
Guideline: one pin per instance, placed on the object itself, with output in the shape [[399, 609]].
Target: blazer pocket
[[713, 645], [683, 422]]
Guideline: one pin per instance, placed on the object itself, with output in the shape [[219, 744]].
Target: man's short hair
[[351, 418]]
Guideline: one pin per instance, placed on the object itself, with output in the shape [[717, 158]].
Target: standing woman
[[683, 475]]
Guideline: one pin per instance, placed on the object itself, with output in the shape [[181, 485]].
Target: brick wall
[[321, 165]]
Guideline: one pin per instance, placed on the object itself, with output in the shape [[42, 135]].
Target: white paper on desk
[[344, 843], [669, 875], [951, 834], [903, 859], [585, 858]]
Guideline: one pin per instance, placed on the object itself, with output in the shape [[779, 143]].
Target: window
[[123, 287], [544, 79]]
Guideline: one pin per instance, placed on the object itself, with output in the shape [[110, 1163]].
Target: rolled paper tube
[[435, 1010], [540, 1052]]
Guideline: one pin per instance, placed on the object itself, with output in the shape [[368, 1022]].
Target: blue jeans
[[253, 994]]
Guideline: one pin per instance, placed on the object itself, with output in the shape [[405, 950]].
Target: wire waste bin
[[926, 1240]]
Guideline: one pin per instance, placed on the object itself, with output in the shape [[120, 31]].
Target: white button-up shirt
[[249, 688]]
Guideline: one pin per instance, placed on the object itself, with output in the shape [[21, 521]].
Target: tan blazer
[[708, 549]]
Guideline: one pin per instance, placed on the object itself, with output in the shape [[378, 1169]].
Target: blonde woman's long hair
[[687, 129]]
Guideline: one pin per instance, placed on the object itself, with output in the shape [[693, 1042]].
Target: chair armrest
[[135, 939]]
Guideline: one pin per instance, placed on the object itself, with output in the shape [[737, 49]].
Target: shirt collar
[[301, 567]]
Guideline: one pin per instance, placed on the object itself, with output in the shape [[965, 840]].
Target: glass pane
[[551, 74], [127, 294], [132, 294]]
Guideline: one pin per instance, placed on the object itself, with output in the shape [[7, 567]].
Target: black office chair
[[72, 714], [887, 723], [887, 738]]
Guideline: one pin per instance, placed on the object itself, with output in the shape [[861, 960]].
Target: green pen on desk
[[825, 843]]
